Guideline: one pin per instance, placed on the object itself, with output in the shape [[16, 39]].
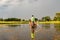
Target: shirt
[[33, 19]]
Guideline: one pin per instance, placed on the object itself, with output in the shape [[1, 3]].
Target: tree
[[43, 19], [23, 20], [36, 19], [12, 19], [55, 19], [46, 18], [1, 19]]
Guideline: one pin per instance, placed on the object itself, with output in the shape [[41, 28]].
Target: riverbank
[[26, 22], [52, 22]]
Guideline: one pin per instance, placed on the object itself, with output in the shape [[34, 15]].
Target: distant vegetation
[[12, 19], [46, 18]]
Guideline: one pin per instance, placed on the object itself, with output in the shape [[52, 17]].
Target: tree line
[[46, 18], [10, 19]]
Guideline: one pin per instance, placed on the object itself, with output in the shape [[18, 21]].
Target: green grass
[[26, 22], [52, 22], [13, 22]]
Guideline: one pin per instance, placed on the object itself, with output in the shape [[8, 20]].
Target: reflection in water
[[13, 25], [57, 34], [46, 32], [46, 26], [23, 32], [15, 33], [33, 28], [57, 26]]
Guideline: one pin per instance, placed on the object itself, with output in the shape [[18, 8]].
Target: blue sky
[[25, 8]]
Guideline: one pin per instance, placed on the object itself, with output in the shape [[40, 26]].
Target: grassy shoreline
[[24, 22], [52, 22]]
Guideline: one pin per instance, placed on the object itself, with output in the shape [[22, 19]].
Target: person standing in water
[[32, 26], [33, 21]]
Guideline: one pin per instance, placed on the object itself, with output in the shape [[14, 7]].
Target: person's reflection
[[33, 33], [33, 26]]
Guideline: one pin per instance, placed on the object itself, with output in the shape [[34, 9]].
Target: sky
[[25, 8]]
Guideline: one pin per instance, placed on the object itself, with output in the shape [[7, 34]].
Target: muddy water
[[23, 32]]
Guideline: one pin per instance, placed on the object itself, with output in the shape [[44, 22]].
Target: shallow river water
[[23, 32]]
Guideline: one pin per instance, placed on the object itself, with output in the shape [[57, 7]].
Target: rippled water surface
[[23, 32]]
